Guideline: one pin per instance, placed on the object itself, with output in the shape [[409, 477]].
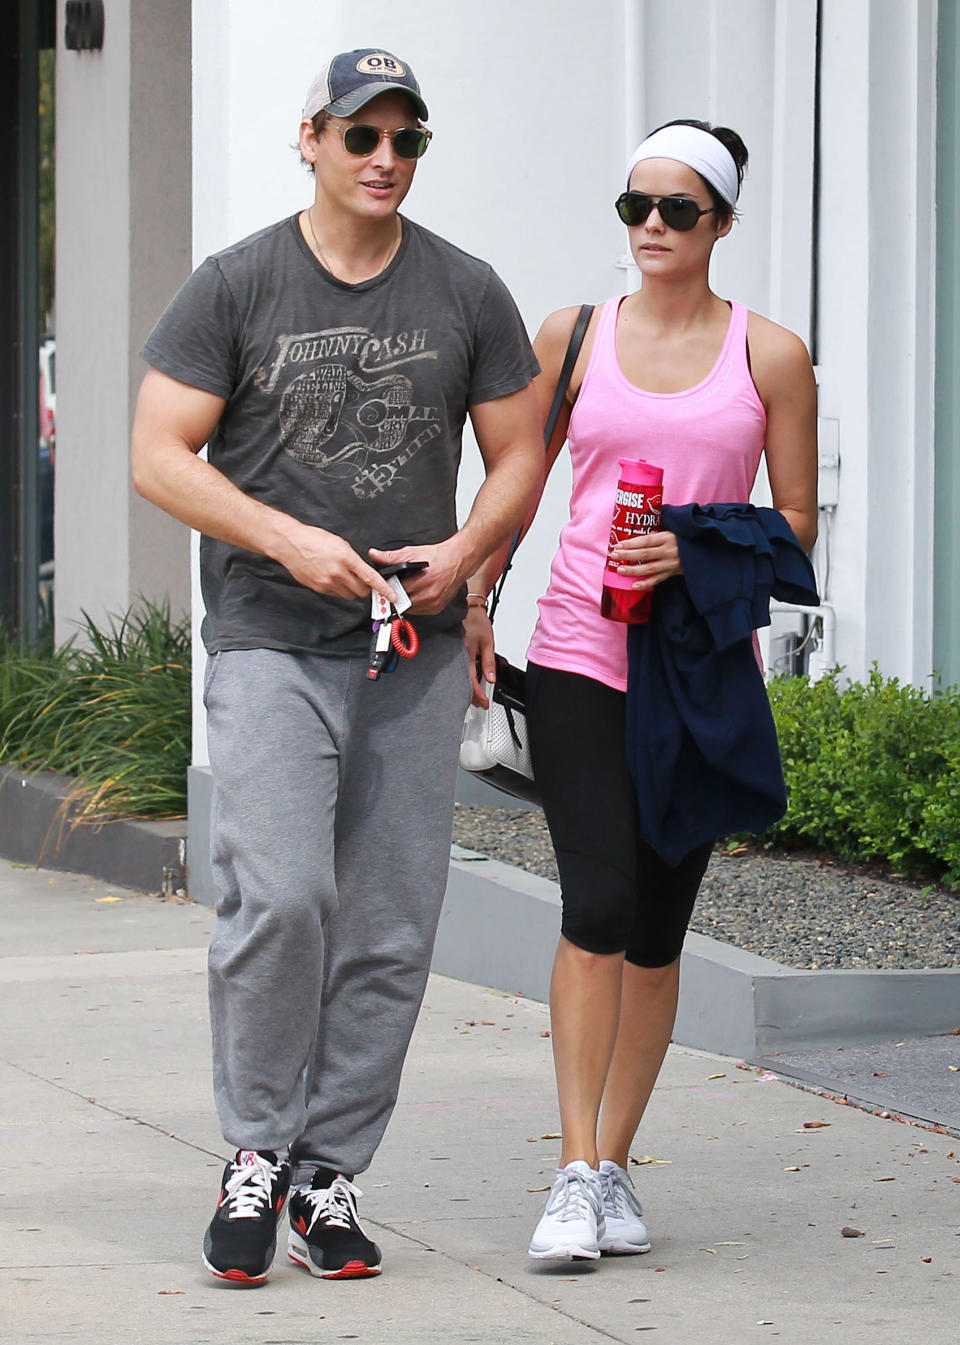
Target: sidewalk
[[113, 1155]]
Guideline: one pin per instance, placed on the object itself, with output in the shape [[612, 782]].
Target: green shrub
[[872, 770], [113, 711], [23, 673]]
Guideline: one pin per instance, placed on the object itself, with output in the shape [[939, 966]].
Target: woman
[[678, 376]]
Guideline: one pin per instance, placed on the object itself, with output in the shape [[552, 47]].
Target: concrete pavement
[[918, 1078], [112, 1158]]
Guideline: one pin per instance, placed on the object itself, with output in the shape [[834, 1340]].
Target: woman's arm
[[783, 376]]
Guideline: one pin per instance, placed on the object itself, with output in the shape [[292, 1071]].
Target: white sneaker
[[572, 1223], [624, 1233]]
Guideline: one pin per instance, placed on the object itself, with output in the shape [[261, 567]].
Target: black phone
[[403, 568]]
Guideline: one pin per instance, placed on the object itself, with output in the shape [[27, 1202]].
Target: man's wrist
[[474, 553], [279, 536]]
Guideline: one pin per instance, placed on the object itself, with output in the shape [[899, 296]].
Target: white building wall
[[535, 108], [877, 268]]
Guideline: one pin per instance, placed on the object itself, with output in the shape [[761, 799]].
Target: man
[[330, 360]]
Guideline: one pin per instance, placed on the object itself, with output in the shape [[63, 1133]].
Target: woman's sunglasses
[[409, 142], [677, 212]]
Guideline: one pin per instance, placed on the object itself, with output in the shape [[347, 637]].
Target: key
[[381, 648]]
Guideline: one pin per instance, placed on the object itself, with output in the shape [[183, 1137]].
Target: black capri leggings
[[618, 894]]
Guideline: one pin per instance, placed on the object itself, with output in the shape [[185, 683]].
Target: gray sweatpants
[[332, 815]]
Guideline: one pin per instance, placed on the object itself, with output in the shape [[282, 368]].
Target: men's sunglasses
[[677, 212], [409, 142]]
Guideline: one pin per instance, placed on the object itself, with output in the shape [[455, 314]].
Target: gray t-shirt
[[345, 407]]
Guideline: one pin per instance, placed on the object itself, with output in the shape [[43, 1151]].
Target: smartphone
[[403, 569]]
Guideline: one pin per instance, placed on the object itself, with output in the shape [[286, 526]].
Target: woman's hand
[[478, 635], [652, 557]]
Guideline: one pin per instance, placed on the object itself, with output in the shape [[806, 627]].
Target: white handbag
[[494, 743]]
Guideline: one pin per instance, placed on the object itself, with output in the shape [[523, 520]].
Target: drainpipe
[[634, 109], [823, 639]]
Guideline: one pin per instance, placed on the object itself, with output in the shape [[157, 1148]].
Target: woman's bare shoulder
[[552, 340], [557, 327], [776, 347]]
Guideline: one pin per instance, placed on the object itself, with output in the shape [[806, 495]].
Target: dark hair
[[318, 120], [725, 210]]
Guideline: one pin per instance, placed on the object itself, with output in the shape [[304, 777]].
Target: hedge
[[872, 771]]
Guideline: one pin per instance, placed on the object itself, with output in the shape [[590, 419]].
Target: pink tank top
[[708, 440]]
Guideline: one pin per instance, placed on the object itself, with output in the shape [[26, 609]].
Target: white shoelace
[[573, 1197], [618, 1197], [248, 1189], [338, 1202]]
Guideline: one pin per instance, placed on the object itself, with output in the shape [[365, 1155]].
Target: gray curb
[[35, 829], [499, 928]]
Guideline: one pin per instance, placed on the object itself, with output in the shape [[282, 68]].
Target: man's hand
[[326, 563], [430, 590], [478, 637]]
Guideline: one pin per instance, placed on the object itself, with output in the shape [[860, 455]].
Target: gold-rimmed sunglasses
[[409, 142]]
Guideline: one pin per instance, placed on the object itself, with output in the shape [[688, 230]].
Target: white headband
[[699, 150]]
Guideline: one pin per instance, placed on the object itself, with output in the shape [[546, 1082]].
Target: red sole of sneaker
[[237, 1276], [353, 1270]]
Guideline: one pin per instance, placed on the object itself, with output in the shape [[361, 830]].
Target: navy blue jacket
[[701, 741]]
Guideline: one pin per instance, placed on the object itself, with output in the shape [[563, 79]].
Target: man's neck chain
[[320, 253]]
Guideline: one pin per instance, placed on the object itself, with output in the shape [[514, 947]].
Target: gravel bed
[[808, 912]]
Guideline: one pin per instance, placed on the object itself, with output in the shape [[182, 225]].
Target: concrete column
[[123, 247]]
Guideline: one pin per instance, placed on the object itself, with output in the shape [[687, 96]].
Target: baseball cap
[[348, 81]]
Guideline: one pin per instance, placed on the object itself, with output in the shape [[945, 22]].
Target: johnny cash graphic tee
[[345, 406]]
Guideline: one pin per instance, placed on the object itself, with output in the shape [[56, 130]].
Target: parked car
[[48, 394], [47, 450]]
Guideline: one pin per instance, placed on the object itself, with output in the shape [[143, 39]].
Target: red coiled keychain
[[404, 638]]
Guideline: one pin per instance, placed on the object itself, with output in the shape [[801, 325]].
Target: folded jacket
[[701, 741]]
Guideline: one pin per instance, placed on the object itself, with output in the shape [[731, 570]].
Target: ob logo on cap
[[351, 79], [380, 63]]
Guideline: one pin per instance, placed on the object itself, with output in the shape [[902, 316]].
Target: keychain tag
[[402, 601], [379, 607]]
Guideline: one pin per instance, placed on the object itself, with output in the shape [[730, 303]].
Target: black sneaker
[[240, 1243], [325, 1233]]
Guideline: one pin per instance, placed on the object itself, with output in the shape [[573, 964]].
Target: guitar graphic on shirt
[[375, 412]]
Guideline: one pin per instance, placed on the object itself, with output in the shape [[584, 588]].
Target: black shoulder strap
[[566, 371], [563, 382]]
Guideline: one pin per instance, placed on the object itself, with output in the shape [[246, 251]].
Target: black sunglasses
[[409, 142], [677, 212]]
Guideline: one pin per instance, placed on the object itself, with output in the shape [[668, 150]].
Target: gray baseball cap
[[349, 81]]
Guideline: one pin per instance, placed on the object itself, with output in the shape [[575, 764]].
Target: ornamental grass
[[111, 709]]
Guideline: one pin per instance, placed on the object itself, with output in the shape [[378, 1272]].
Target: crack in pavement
[[373, 1223]]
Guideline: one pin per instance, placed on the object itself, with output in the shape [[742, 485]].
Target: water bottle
[[636, 511]]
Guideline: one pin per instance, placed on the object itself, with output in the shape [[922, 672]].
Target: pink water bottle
[[636, 511]]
